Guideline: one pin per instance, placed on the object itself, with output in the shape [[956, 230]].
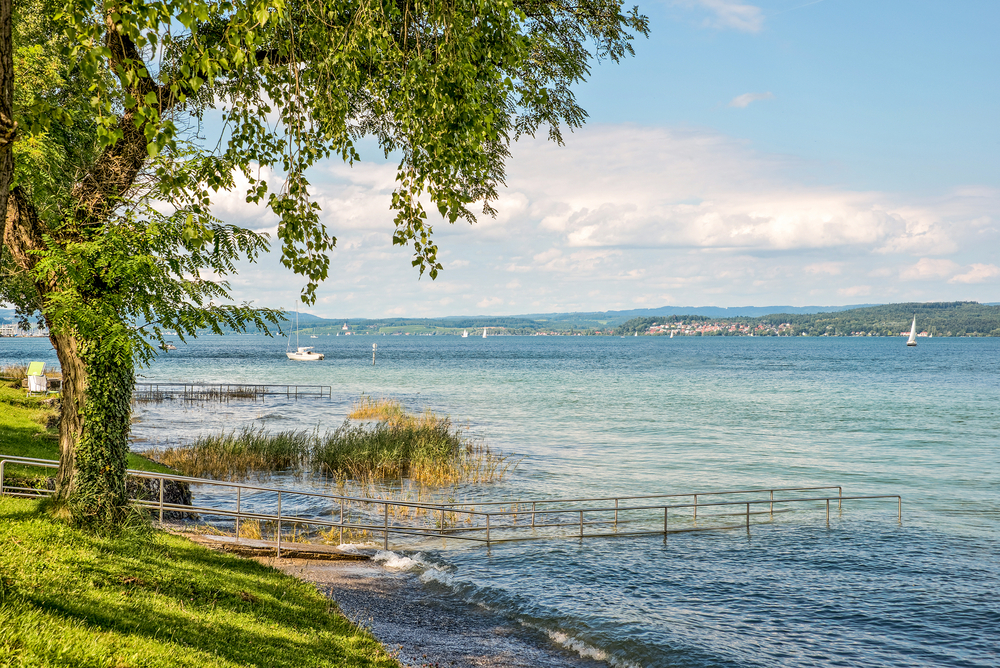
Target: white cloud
[[488, 302], [926, 269], [730, 14], [623, 213], [977, 274], [743, 101], [827, 268], [855, 291]]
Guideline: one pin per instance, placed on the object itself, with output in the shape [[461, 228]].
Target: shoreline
[[422, 627]]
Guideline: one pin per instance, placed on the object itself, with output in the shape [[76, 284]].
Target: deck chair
[[37, 382]]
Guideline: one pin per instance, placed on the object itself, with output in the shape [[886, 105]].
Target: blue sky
[[779, 152]]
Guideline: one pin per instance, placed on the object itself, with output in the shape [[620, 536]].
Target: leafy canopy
[[446, 85]]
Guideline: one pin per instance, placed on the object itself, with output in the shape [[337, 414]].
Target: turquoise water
[[606, 416]]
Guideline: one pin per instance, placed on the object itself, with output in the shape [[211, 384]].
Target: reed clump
[[393, 444], [237, 455], [383, 409]]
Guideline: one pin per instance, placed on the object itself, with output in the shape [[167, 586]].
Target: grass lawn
[[23, 433], [68, 598]]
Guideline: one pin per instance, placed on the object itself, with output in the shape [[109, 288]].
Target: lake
[[602, 416]]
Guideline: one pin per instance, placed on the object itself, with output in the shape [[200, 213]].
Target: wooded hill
[[936, 318]]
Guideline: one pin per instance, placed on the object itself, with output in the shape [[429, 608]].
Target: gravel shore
[[426, 628]]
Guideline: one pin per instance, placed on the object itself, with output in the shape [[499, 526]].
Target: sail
[[912, 341]]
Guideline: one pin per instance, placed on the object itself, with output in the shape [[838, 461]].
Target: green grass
[[23, 433], [68, 598]]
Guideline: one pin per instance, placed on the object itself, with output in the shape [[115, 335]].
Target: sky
[[779, 152]]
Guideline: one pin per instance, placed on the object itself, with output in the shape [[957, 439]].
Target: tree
[[120, 244]]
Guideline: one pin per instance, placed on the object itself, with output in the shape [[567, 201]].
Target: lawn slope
[[68, 598]]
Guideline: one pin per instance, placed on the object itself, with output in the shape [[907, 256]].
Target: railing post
[[581, 524], [2, 464], [748, 518], [664, 522], [442, 522], [532, 514], [341, 521], [161, 500], [616, 515], [840, 497], [385, 525], [899, 501], [828, 512], [696, 508], [487, 529], [279, 525], [239, 509], [771, 506]]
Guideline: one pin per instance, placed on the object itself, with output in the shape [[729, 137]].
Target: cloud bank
[[625, 216]]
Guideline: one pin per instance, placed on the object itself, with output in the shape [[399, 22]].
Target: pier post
[[279, 525], [695, 508], [161, 500], [616, 515], [238, 510], [581, 524], [487, 529], [664, 522], [385, 540], [341, 521], [828, 512], [748, 518]]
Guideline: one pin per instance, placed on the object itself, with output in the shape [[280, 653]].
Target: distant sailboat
[[484, 332], [637, 333], [302, 353], [465, 333], [912, 341], [671, 335]]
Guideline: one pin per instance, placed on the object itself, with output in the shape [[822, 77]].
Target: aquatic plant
[[425, 448]]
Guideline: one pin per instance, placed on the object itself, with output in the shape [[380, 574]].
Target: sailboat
[[912, 341], [302, 353], [465, 333], [484, 332]]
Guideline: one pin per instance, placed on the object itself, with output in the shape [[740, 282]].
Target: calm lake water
[[610, 416]]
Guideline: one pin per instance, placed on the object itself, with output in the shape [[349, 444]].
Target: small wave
[[583, 649]]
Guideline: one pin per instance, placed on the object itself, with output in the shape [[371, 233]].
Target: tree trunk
[[74, 387], [97, 496], [8, 127], [97, 396]]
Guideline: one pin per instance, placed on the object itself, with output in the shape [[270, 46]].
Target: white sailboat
[[912, 341], [465, 333], [302, 353], [484, 332]]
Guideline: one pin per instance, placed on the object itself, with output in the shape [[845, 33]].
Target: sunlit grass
[[149, 599]]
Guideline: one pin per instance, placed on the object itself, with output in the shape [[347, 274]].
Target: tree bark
[[8, 128]]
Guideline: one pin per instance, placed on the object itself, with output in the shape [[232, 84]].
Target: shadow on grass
[[182, 597]]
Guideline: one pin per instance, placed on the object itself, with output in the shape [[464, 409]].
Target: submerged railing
[[156, 392], [484, 522]]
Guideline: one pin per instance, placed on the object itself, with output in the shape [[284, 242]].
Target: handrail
[[482, 522]]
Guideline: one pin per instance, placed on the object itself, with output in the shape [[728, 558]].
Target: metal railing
[[226, 391], [502, 521]]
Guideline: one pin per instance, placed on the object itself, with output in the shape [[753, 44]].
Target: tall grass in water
[[367, 408], [425, 448], [237, 455]]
